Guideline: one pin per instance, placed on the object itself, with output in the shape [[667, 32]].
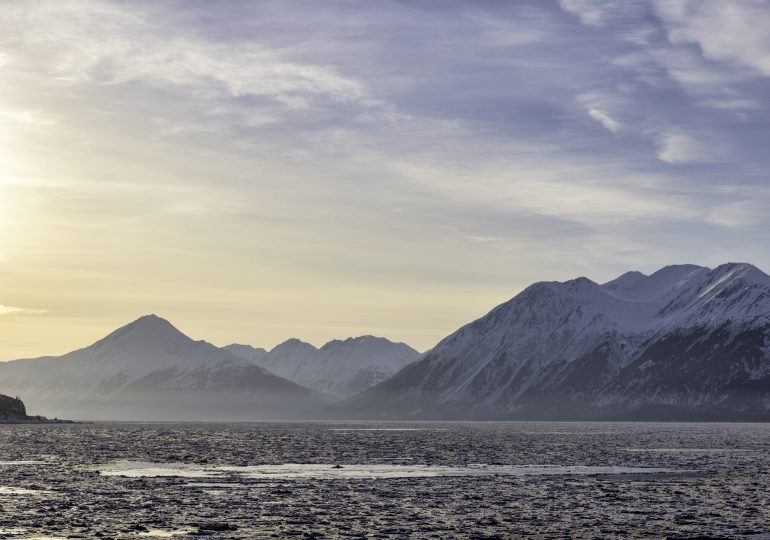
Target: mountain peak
[[676, 273], [148, 331], [732, 272], [357, 341], [629, 279], [685, 340], [151, 320], [153, 323], [254, 354], [581, 281], [368, 338], [292, 344]]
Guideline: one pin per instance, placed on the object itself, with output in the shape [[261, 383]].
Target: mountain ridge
[[574, 349], [340, 367], [148, 369]]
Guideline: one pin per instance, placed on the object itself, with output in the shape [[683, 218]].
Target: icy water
[[385, 480]]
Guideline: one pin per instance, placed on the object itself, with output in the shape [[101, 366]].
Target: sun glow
[[9, 182]]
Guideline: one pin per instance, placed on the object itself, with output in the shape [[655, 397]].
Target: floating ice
[[10, 490], [385, 429], [294, 471], [159, 533], [142, 469], [688, 450]]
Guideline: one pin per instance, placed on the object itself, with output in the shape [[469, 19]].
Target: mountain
[[346, 367], [340, 368], [686, 342], [254, 354], [149, 370]]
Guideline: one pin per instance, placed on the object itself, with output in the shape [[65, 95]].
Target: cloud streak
[[14, 310]]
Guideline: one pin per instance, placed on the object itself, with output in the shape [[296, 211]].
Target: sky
[[255, 171]]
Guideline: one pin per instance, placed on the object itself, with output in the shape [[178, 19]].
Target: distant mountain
[[254, 354], [686, 342], [341, 367], [290, 359], [148, 370]]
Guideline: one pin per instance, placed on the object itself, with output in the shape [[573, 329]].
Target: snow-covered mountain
[[340, 368], [254, 354], [684, 342], [148, 370]]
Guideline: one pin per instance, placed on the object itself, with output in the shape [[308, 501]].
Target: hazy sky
[[255, 171]]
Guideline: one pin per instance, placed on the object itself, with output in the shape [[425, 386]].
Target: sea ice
[[10, 490], [142, 469], [384, 429], [293, 471]]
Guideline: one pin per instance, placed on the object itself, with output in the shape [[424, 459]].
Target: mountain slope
[[253, 354], [684, 342], [341, 367], [346, 367], [148, 370]]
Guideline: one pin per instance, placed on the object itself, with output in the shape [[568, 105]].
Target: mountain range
[[686, 342], [149, 370], [340, 368]]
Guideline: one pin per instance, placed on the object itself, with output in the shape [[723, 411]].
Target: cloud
[[742, 214], [598, 107], [13, 310], [569, 191], [730, 103], [679, 148], [734, 31], [36, 118], [604, 119], [101, 42], [643, 34], [655, 65], [591, 12], [740, 207]]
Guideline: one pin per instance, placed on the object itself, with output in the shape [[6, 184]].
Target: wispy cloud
[[600, 107], [37, 118], [677, 148], [104, 43], [604, 119], [724, 31], [593, 12], [14, 310]]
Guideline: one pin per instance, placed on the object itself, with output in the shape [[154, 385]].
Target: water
[[297, 471], [384, 480]]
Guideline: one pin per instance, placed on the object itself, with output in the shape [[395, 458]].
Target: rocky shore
[[13, 411]]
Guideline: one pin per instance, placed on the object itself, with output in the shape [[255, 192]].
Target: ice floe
[[294, 471]]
